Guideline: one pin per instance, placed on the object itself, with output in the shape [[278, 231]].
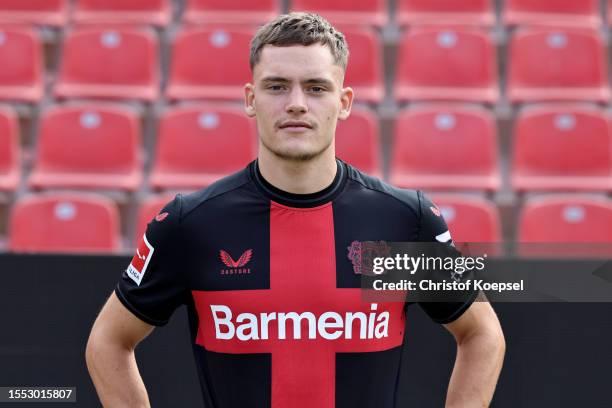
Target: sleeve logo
[[140, 261]]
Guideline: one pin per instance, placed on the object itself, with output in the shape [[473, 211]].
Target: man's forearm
[[477, 367], [115, 375]]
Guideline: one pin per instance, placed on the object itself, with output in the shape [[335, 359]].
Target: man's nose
[[297, 102]]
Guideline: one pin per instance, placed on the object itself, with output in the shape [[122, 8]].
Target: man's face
[[297, 98]]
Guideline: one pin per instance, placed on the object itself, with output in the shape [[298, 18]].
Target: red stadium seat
[[154, 12], [43, 12], [584, 13], [438, 63], [198, 145], [566, 226], [231, 12], [10, 163], [68, 222], [88, 146], [120, 63], [21, 65], [557, 64], [357, 12], [210, 63], [364, 72], [564, 147], [445, 147], [469, 218], [148, 209], [358, 142], [469, 12]]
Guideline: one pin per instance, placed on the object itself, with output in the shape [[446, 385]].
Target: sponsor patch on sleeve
[[140, 261]]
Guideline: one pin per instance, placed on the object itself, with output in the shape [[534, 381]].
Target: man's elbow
[[492, 339], [92, 352], [487, 337], [98, 348]]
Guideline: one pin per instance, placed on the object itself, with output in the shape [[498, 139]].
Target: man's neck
[[298, 177]]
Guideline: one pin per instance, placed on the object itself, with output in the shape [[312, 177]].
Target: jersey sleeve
[[433, 228], [153, 286]]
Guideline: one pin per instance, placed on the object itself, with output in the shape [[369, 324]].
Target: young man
[[260, 258]]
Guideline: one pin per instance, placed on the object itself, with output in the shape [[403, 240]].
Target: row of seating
[[434, 63], [435, 146], [371, 12], [77, 222]]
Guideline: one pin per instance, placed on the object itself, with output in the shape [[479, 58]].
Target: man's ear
[[249, 100], [346, 102]]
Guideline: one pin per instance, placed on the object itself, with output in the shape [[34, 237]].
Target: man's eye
[[317, 89], [276, 87]]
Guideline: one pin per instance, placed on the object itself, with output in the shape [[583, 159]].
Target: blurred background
[[497, 109]]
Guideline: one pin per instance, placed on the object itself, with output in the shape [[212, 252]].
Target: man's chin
[[297, 156], [296, 152]]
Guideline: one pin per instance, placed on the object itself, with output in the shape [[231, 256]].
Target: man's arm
[[480, 354], [110, 356]]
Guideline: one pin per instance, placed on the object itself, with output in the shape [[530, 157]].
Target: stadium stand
[[195, 71], [364, 72], [439, 63], [445, 146], [548, 64], [10, 155], [116, 63], [358, 141], [468, 12], [230, 12], [570, 13], [21, 65], [469, 218], [199, 144], [566, 226], [64, 222], [40, 12], [104, 148], [154, 12], [566, 219], [343, 12], [562, 147], [416, 52]]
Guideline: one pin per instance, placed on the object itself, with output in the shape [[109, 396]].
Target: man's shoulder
[[223, 186], [409, 197]]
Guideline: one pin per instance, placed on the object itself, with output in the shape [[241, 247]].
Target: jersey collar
[[300, 200]]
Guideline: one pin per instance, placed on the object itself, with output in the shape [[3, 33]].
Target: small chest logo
[[362, 254], [236, 267]]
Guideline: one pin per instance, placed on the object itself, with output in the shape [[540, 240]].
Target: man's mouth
[[295, 124]]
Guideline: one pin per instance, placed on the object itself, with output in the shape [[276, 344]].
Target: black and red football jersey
[[274, 301]]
